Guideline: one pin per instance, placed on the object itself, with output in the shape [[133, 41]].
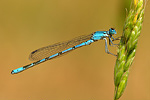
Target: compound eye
[[112, 28], [112, 31]]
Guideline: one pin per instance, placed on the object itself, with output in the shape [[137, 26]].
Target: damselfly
[[49, 52]]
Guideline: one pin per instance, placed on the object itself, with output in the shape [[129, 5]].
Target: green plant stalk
[[127, 47]]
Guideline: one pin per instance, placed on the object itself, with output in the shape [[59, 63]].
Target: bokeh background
[[83, 74]]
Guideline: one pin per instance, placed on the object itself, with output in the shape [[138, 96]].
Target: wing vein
[[47, 51]]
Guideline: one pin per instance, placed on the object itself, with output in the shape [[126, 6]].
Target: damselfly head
[[112, 31]]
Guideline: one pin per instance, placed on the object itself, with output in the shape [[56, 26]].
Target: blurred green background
[[84, 74]]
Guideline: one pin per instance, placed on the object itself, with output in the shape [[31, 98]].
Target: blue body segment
[[52, 51], [18, 70]]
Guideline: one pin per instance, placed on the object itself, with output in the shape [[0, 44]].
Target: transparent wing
[[47, 51]]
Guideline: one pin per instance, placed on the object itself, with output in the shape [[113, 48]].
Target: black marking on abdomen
[[59, 53], [73, 47], [47, 58]]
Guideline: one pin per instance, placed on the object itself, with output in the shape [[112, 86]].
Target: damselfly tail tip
[[12, 72]]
